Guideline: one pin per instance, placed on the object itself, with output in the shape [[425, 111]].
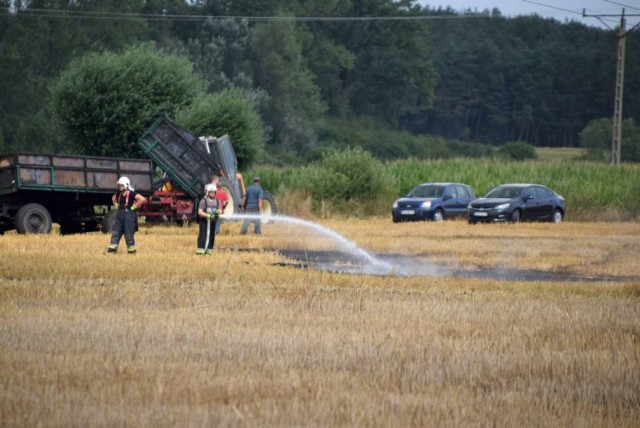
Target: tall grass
[[593, 190]]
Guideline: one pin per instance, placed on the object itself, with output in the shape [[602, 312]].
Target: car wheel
[[438, 215], [515, 216], [556, 217]]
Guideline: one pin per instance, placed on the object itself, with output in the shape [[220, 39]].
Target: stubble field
[[247, 337]]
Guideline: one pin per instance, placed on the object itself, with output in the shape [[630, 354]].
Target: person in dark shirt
[[126, 201], [252, 204]]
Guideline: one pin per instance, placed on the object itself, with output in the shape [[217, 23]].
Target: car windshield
[[426, 192], [504, 192]]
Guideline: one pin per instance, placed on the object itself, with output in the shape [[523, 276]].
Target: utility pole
[[616, 139]]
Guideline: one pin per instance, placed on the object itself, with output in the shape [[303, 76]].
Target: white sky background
[[511, 8]]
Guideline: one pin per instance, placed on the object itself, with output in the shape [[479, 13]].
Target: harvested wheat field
[[263, 333]]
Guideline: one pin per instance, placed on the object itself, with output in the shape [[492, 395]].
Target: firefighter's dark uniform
[[125, 222]]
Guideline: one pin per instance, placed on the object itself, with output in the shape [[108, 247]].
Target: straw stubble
[[166, 338]]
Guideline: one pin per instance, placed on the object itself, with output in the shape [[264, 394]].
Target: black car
[[433, 201], [518, 202]]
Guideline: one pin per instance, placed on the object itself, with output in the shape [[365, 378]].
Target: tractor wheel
[[33, 218], [108, 220], [232, 203], [268, 207]]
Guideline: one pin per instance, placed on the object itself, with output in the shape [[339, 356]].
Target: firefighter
[[209, 211], [126, 201]]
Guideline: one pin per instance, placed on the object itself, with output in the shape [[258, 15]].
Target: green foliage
[[221, 53], [594, 191], [596, 139], [294, 108], [351, 180], [517, 151], [385, 144], [597, 135], [104, 102], [486, 81], [227, 112], [387, 70]]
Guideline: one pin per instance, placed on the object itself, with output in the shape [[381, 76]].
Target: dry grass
[[165, 338]]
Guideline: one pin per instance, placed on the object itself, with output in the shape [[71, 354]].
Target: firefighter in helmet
[[126, 200], [209, 211]]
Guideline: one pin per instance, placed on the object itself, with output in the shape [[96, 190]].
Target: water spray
[[372, 264]]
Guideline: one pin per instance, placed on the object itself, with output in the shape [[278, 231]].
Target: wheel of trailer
[[33, 218], [268, 207], [108, 220]]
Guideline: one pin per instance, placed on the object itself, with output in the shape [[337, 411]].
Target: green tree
[[384, 66], [596, 138], [294, 109], [231, 112], [104, 102], [36, 46], [221, 53]]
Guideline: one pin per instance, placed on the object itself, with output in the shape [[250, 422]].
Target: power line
[[52, 13], [552, 7], [558, 8], [621, 4]]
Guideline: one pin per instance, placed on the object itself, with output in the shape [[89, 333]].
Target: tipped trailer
[[37, 190], [188, 163]]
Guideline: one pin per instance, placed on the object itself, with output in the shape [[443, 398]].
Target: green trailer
[[37, 190], [190, 161]]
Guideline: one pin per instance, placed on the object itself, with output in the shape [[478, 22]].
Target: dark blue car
[[518, 202], [433, 201]]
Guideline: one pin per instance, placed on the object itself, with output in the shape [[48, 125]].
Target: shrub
[[518, 151], [105, 101]]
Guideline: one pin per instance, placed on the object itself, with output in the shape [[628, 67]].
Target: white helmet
[[125, 182], [210, 188]]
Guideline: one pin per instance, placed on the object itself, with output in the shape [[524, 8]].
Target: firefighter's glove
[[114, 207], [216, 214], [210, 216], [133, 208]]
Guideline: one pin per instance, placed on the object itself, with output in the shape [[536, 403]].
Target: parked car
[[518, 202], [433, 201]]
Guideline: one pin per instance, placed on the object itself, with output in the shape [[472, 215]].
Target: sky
[[512, 8]]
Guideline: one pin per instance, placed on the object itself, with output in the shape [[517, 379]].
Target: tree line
[[310, 75]]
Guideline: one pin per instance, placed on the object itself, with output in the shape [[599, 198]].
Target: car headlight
[[426, 204], [395, 205], [501, 207]]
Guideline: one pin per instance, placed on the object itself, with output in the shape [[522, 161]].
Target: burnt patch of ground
[[401, 265]]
